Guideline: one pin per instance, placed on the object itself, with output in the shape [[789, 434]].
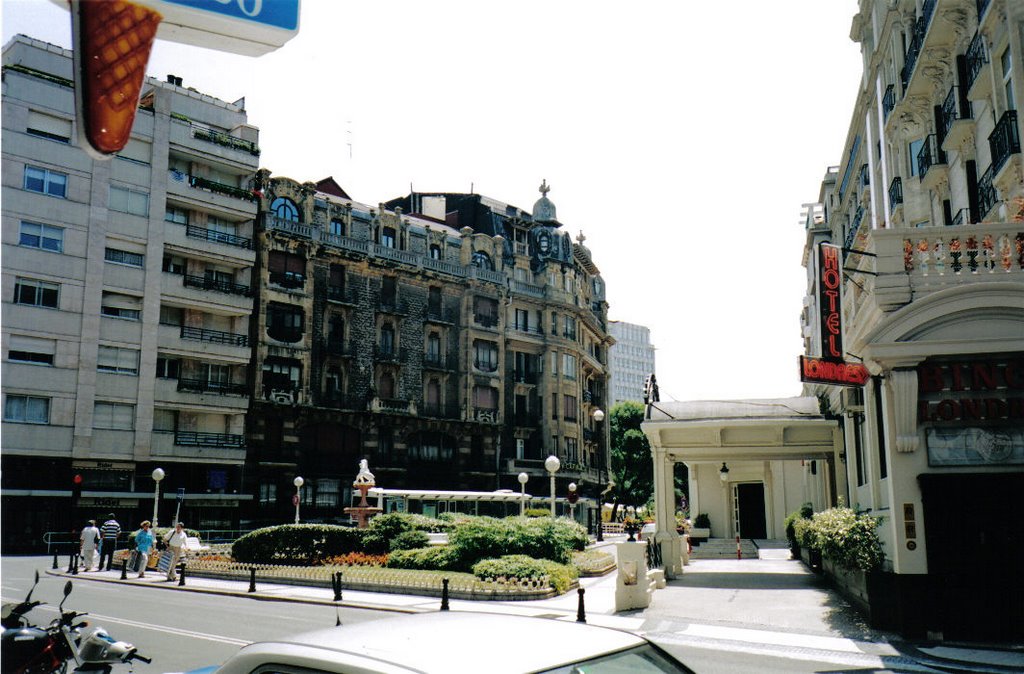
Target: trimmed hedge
[[409, 540], [848, 539], [436, 557], [559, 576], [542, 538], [296, 544]]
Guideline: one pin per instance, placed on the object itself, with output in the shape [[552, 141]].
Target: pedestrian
[[144, 545], [175, 540], [108, 543], [89, 540]]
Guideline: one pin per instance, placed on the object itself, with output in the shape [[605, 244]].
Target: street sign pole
[[177, 509]]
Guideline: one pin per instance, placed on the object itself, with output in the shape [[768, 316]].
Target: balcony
[[391, 305], [395, 255], [196, 232], [864, 179], [957, 119], [484, 415], [525, 378], [436, 315], [342, 295], [931, 163], [436, 361], [344, 242], [343, 401], [486, 366], [529, 329], [272, 222], [221, 188], [210, 283], [214, 336], [888, 101], [986, 193], [392, 405], [286, 334], [444, 267], [340, 347], [528, 289], [913, 51], [1004, 141], [979, 81], [486, 320], [198, 439], [217, 388], [895, 194], [225, 140], [440, 410], [385, 354], [289, 280]]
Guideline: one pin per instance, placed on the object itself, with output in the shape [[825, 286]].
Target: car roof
[[446, 641]]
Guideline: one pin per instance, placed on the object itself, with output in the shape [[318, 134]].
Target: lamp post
[[552, 464], [158, 474], [598, 416], [523, 477], [573, 496], [298, 481]]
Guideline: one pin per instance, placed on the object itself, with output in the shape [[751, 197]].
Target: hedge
[[435, 557], [542, 538], [296, 544], [848, 539], [559, 576]]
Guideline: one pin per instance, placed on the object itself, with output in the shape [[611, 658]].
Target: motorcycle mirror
[[33, 588], [67, 591]]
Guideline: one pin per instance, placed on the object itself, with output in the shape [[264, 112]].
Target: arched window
[[482, 260], [285, 209]]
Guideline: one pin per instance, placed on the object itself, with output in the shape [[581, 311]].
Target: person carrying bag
[[175, 541]]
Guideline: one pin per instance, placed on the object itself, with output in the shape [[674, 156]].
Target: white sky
[[680, 136]]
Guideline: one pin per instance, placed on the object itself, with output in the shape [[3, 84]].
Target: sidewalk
[[770, 606]]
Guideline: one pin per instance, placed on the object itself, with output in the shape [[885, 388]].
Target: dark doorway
[[750, 501]]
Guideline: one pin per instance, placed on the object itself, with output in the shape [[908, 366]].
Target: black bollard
[[74, 567], [252, 579], [181, 574], [336, 585], [581, 612], [71, 562], [124, 569], [444, 594], [55, 560]]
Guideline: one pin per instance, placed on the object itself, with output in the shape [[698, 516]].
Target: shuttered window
[[48, 126]]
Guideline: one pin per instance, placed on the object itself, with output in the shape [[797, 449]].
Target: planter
[[700, 534], [812, 558]]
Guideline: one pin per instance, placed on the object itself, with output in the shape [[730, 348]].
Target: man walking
[[176, 542], [144, 541], [109, 533], [89, 539]]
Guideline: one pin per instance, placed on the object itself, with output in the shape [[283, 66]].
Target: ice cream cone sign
[[113, 40], [364, 481]]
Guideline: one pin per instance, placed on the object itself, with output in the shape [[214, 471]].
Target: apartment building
[[451, 340], [631, 360], [126, 305], [927, 208]]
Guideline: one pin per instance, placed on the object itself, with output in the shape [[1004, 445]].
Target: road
[[179, 630]]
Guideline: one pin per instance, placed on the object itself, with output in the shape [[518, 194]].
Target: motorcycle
[[28, 649]]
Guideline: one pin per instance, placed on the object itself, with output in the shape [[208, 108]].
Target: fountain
[[364, 482]]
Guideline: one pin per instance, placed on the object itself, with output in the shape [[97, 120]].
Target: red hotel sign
[[830, 282], [820, 371]]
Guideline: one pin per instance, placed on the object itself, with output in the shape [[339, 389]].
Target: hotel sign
[[821, 371], [830, 283]]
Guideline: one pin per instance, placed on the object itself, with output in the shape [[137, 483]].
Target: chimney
[[173, 79]]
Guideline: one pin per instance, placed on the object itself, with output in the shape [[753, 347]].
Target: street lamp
[[298, 495], [723, 473], [523, 477], [552, 464], [572, 500], [158, 474], [598, 415]]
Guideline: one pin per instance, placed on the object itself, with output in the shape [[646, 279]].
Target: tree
[[632, 467]]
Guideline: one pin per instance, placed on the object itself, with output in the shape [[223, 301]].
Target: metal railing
[[895, 193], [197, 232], [198, 439], [975, 56], [210, 283], [341, 294], [913, 50], [654, 560], [225, 140], [955, 107], [288, 280], [986, 192], [929, 155], [221, 188], [440, 410], [1004, 140], [207, 386], [341, 347], [888, 100], [486, 320], [389, 354], [435, 361], [215, 336], [284, 334]]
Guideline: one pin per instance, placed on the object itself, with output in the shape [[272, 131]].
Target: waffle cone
[[115, 42]]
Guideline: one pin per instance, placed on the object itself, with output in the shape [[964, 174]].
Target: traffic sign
[[181, 494]]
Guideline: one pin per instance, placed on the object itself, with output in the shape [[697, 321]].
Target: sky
[[680, 137]]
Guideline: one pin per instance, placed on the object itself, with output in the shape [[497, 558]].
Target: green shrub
[[806, 512], [541, 538], [559, 576], [538, 512], [436, 557], [592, 561], [408, 540], [702, 521], [296, 544], [848, 539], [383, 529]]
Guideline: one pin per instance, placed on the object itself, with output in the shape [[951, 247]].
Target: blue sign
[[277, 13]]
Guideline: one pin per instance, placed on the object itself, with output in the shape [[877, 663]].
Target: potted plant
[[701, 529]]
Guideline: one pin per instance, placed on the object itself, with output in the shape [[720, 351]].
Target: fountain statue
[[364, 482]]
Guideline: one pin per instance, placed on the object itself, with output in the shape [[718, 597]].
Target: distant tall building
[[630, 360]]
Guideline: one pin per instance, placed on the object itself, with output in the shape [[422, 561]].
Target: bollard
[[124, 569], [581, 612], [74, 567], [444, 594], [739, 554], [336, 585], [181, 574], [252, 579], [71, 562], [55, 560]]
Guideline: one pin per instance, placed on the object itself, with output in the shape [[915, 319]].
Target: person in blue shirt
[[144, 540]]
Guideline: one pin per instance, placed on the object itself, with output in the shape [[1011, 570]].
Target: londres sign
[[821, 371]]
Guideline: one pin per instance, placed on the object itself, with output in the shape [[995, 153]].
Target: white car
[[455, 641]]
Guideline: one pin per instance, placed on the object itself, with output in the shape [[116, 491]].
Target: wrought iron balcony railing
[[1004, 140], [435, 361], [340, 347], [216, 387], [389, 354], [214, 336], [895, 193], [486, 320], [975, 56], [197, 439], [221, 188], [341, 294], [209, 283], [289, 280], [913, 51], [225, 140], [284, 334], [888, 100], [929, 155], [436, 315], [440, 410], [196, 232], [955, 107], [986, 192], [962, 217]]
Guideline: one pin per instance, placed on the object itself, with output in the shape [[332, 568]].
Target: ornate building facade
[[451, 340]]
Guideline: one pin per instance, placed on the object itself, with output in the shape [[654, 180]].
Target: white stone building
[[631, 360], [126, 303]]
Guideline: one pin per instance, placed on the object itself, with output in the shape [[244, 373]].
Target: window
[[268, 494], [388, 290], [1006, 61], [117, 360], [285, 209], [387, 339], [433, 394], [284, 322], [386, 386], [435, 251], [522, 320], [215, 375], [554, 363], [118, 256], [485, 355], [482, 260], [167, 368], [337, 227], [31, 350], [572, 449], [179, 216], [485, 311], [385, 443], [568, 366], [171, 315], [127, 200], [137, 151], [46, 181], [114, 416], [281, 374], [287, 269], [48, 126], [570, 327], [36, 293], [387, 237], [521, 274], [336, 282], [173, 264], [434, 346], [44, 237], [328, 492], [554, 324], [215, 226], [124, 307], [434, 300], [27, 409], [485, 397], [914, 148], [569, 408], [164, 421]]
